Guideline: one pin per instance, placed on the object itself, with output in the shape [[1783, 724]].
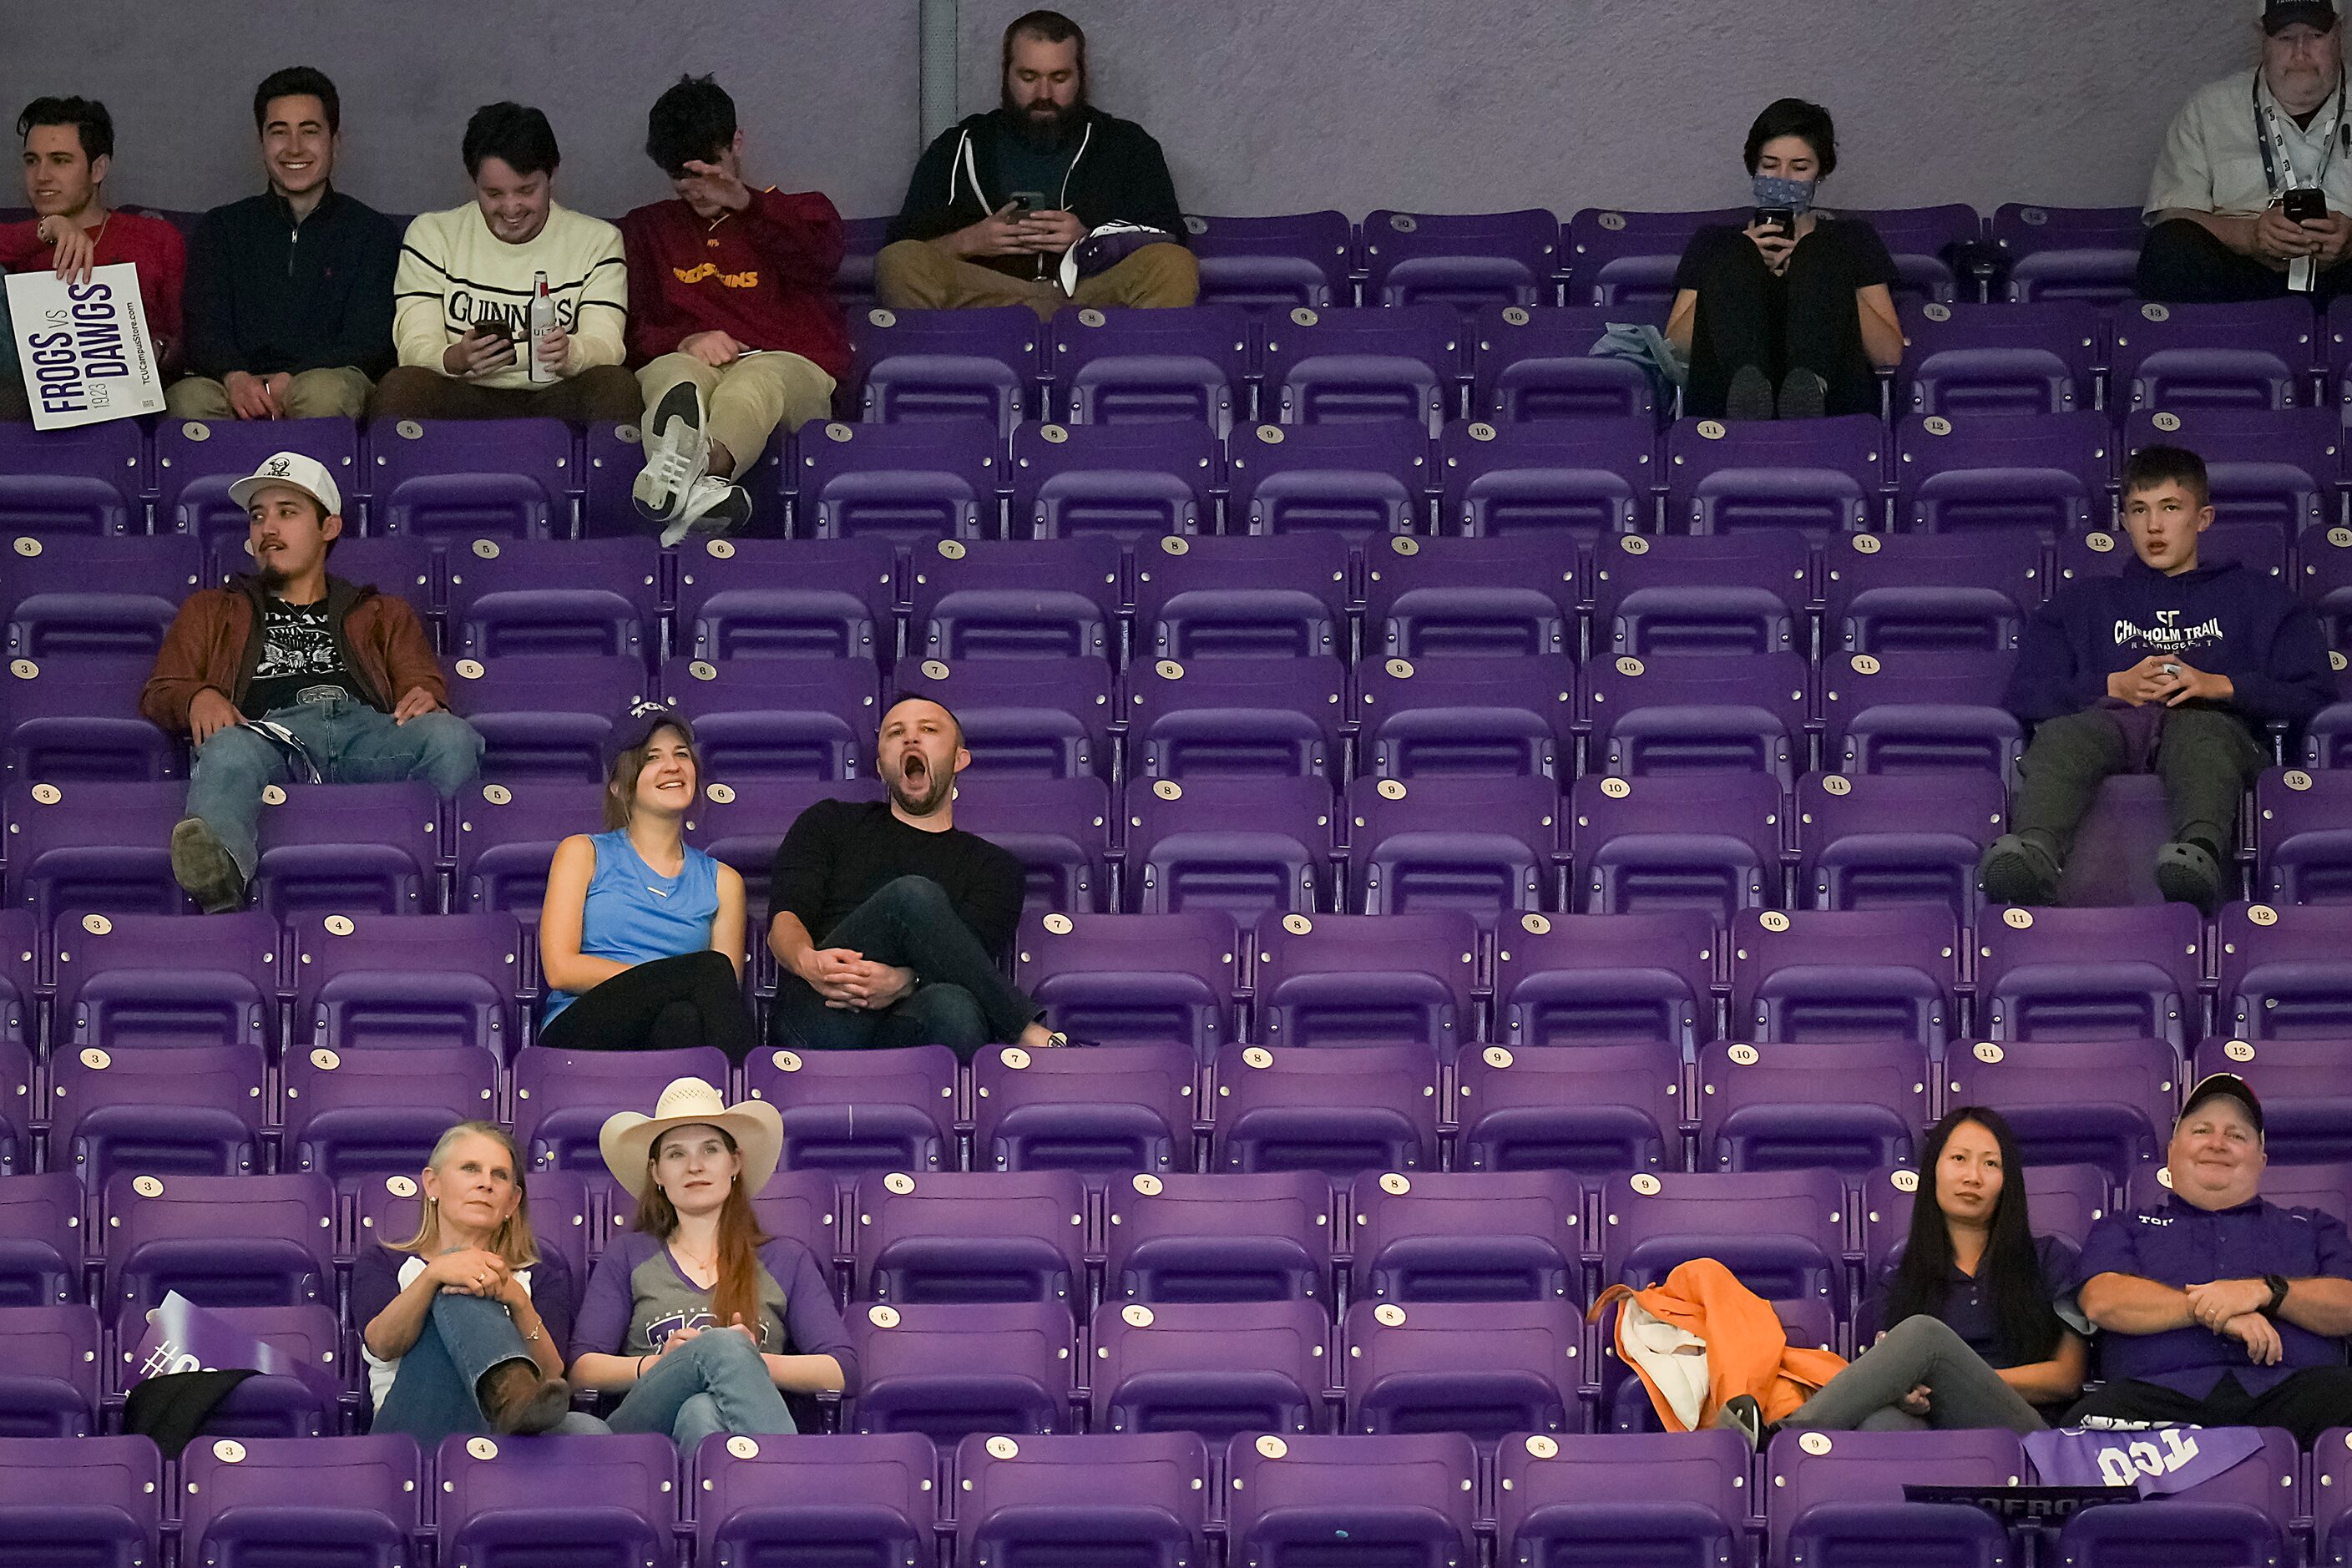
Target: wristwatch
[[2278, 1284]]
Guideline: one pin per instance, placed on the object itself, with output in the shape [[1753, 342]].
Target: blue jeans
[[349, 741], [961, 999], [715, 1382], [433, 1394]]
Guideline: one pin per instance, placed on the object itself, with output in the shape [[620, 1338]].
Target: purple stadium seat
[[1693, 713], [1718, 594], [2246, 1514], [1059, 829], [1876, 841], [1402, 1500], [811, 598], [563, 1097], [545, 715], [2325, 555], [1708, 844], [197, 460], [1964, 361], [48, 1371], [2065, 1201], [782, 718], [924, 366], [350, 849], [165, 979], [2091, 254], [1917, 712], [2114, 859], [454, 480], [2276, 466], [1129, 366], [2303, 835], [1484, 846], [1594, 1109], [2089, 974], [1975, 474], [1781, 1232], [1483, 1368], [1823, 976], [1395, 363], [18, 937], [220, 1241], [861, 1110], [853, 285], [1466, 260], [402, 566], [2325, 1187], [1239, 845], [1235, 719], [1586, 479], [854, 1501], [68, 598], [1931, 246], [73, 848], [613, 454], [1367, 1108], [1261, 1236], [2284, 973], [1015, 598], [1466, 1237], [87, 479], [1130, 482], [1839, 1498], [2327, 740], [358, 1499], [1538, 367], [174, 1109], [1577, 979], [958, 1238], [2306, 1092], [390, 1211], [1213, 1370], [1360, 980], [2183, 357], [1625, 259], [90, 1502], [20, 1103], [1268, 263], [357, 1116], [1584, 1501], [576, 596], [78, 718], [2107, 1103], [949, 1372], [1930, 593], [40, 1237], [1140, 1499], [1279, 595], [2331, 1496], [1023, 717], [1852, 1105], [1355, 480], [1818, 476], [1132, 979], [507, 836], [1097, 1111], [1510, 716], [1489, 596], [741, 825], [603, 1502], [2261, 547], [906, 486]]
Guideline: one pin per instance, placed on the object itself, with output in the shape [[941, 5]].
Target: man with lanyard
[[2252, 195]]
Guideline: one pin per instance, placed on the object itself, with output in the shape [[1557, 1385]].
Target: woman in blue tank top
[[641, 938]]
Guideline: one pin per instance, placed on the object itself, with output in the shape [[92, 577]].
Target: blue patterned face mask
[[1772, 191]]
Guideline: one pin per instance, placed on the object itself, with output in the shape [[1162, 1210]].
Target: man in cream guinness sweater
[[461, 300]]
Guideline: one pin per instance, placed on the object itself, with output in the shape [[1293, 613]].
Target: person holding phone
[[1793, 315], [2252, 197]]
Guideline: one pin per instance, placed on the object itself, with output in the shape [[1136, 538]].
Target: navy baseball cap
[[2280, 15], [2224, 1085], [636, 724]]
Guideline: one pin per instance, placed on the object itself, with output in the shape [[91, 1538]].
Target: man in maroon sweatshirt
[[732, 317]]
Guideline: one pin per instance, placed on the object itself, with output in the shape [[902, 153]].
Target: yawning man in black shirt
[[912, 912]]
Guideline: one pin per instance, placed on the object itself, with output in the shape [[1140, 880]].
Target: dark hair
[[1794, 117], [621, 778], [86, 115], [2011, 1269], [297, 82], [694, 119], [1046, 27], [520, 137], [902, 696], [2160, 465]]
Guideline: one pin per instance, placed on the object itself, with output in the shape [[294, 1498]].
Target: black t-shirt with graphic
[[298, 661]]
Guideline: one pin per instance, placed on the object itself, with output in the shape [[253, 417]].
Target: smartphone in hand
[[1782, 219], [2306, 204]]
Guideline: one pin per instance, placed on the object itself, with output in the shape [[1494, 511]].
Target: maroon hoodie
[[762, 276]]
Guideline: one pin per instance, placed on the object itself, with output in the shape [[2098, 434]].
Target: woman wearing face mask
[[701, 1320], [1787, 321], [1971, 1337]]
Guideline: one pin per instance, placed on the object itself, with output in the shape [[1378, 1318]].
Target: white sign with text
[[87, 353]]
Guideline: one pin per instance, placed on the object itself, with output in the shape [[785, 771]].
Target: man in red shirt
[[731, 316], [69, 148]]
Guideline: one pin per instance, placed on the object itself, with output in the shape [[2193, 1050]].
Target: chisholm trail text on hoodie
[[2168, 635]]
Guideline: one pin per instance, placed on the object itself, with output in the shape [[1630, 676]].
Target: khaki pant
[[916, 275], [340, 392], [744, 401], [607, 395]]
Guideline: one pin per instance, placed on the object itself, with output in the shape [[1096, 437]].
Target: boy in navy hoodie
[[2172, 667]]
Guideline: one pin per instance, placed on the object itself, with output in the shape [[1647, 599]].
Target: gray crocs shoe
[[2017, 871], [2185, 873]]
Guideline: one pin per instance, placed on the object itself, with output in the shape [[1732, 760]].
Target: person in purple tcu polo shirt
[[2216, 1307]]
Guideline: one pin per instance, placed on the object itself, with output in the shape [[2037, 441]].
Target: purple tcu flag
[[183, 1337]]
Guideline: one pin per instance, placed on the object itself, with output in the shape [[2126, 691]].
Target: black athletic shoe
[[2018, 871], [1804, 395], [1742, 1415], [1749, 395], [2187, 873]]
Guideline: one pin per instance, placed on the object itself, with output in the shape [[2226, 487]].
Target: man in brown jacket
[[292, 674]]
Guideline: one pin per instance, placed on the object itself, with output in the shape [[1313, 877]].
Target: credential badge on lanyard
[[2279, 173]]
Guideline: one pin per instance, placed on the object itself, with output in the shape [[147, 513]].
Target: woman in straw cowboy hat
[[699, 1318]]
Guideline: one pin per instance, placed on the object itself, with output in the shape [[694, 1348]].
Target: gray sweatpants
[[1964, 1392]]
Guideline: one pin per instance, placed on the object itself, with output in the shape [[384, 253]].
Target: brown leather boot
[[518, 1400]]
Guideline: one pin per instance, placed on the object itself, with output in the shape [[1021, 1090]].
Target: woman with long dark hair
[[702, 1321], [1971, 1337]]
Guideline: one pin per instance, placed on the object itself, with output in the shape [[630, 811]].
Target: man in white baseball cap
[[289, 673]]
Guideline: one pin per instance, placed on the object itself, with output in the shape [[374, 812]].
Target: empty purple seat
[[1680, 594], [17, 937], [1482, 846], [1597, 979], [956, 1239], [1135, 1499], [2091, 254], [507, 836], [2303, 835], [561, 1097], [16, 1119], [575, 596], [40, 1234], [1348, 366], [1538, 367], [1595, 1110], [2273, 466], [742, 824], [1578, 1500], [452, 479], [1368, 1108], [1015, 598], [859, 1502], [1507, 716], [1839, 1497], [2327, 740], [1852, 1105], [1131, 483], [1239, 845], [2089, 974], [174, 1109], [2331, 1481], [357, 1116], [1931, 246], [1098, 1112], [2047, 473], [1059, 829], [242, 1504], [1586, 480], [1213, 1370], [391, 1212], [48, 1371], [1874, 841], [811, 598], [87, 479], [1704, 842], [1482, 1368], [1514, 1235], [165, 979], [2107, 1102], [2246, 1514], [1466, 260], [1403, 1501], [2285, 970], [74, 719], [1482, 597], [861, 1110], [1023, 717], [1968, 361], [1818, 476], [1131, 366], [1915, 711], [2181, 357], [603, 1502], [923, 366], [1693, 713], [76, 847], [546, 715], [1353, 980], [904, 486], [1279, 595], [2325, 556], [949, 1372], [1629, 259], [1781, 1232], [1124, 979], [93, 1502], [1930, 593], [784, 719], [2065, 1201], [350, 849], [1824, 975], [67, 598], [2306, 1092], [2260, 547], [1235, 719], [1358, 480], [220, 1241], [1256, 1237], [1268, 263]]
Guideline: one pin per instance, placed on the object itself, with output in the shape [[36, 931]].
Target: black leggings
[[670, 1004], [1808, 317]]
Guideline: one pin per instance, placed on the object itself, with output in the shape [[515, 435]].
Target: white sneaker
[[677, 451], [711, 508]]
